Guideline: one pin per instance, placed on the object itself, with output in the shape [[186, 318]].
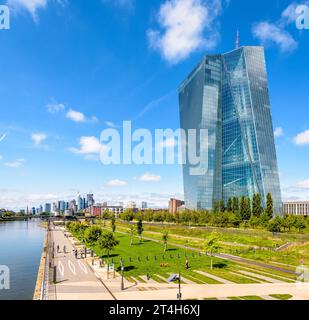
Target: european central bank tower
[[227, 94]]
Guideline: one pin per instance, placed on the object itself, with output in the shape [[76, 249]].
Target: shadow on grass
[[220, 265], [110, 256]]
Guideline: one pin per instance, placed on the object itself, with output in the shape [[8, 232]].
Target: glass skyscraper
[[227, 94]]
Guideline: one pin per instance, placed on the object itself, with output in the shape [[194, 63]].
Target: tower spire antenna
[[237, 39]]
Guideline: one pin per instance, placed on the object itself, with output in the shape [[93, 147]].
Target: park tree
[[165, 236], [92, 234], [269, 210], [236, 205], [275, 224], [222, 206], [242, 207], [139, 228], [107, 242], [300, 223], [113, 223], [132, 231], [257, 208], [212, 246], [229, 205], [215, 206]]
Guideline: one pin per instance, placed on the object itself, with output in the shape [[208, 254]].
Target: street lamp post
[[122, 276], [179, 287]]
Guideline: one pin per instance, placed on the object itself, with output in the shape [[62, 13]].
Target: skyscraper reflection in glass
[[228, 95]]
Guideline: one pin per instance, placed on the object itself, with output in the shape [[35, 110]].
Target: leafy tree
[[269, 210], [127, 215], [113, 223], [236, 205], [242, 207], [229, 205], [139, 228], [165, 236], [212, 246], [274, 225], [257, 208], [132, 232], [107, 242], [222, 206], [92, 234], [300, 223], [215, 206]]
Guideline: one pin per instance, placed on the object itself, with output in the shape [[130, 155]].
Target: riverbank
[[41, 272]]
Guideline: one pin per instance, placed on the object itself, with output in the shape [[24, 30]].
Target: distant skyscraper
[[61, 206], [80, 203], [47, 207], [227, 94], [90, 200], [144, 205]]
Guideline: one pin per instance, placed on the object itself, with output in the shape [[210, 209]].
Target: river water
[[21, 245]]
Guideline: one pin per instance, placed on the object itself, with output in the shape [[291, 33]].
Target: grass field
[[240, 244], [148, 256]]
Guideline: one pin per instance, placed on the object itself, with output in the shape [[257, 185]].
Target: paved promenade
[[75, 279]]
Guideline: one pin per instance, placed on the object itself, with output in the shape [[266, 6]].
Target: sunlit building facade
[[228, 95]]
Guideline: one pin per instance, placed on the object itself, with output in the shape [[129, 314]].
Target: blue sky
[[70, 69]]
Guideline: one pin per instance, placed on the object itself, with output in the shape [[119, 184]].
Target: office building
[[47, 208], [90, 200], [227, 95], [298, 208], [174, 204]]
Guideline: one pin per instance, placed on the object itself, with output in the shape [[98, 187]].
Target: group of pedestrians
[[64, 249]]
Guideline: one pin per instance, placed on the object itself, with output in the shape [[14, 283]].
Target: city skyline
[[75, 78]]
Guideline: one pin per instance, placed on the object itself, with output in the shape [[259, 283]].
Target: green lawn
[[251, 298], [236, 238], [281, 296], [140, 257]]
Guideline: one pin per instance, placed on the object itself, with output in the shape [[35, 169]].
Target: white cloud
[[76, 116], [32, 6], [1, 157], [15, 164], [88, 145], [278, 132], [271, 33], [302, 138], [38, 138], [148, 177], [55, 107], [303, 184], [116, 183], [183, 26], [79, 117]]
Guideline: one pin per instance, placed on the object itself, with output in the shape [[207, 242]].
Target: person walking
[[187, 264]]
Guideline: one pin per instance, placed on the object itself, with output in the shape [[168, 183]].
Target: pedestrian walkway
[[74, 279]]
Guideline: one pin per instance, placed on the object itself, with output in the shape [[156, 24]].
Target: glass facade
[[228, 95]]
